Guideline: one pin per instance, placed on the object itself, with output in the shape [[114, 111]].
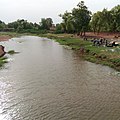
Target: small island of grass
[[11, 52], [3, 60]]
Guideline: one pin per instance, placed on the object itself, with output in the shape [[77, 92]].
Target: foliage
[[23, 26], [11, 52], [59, 29], [77, 20], [106, 21], [2, 25], [82, 17], [102, 55], [80, 20], [46, 23], [116, 18], [3, 61], [68, 23]]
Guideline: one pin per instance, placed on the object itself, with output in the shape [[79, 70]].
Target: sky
[[34, 10]]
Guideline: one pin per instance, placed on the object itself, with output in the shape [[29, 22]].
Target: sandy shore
[[4, 38]]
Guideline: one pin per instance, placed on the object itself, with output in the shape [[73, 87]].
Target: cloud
[[34, 10]]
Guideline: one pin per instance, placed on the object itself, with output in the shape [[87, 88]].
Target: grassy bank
[[109, 56], [23, 33], [13, 34]]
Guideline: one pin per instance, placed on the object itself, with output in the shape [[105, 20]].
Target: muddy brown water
[[45, 81]]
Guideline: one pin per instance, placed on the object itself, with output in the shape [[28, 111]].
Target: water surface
[[45, 81]]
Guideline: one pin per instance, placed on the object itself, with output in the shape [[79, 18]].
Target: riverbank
[[109, 56], [5, 36]]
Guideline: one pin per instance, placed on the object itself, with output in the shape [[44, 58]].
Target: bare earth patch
[[106, 35], [4, 38]]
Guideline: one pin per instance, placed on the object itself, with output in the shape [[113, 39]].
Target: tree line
[[79, 20], [25, 26]]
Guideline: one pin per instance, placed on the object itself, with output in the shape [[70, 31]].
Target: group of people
[[100, 42], [104, 42]]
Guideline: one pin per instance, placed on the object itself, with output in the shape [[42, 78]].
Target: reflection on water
[[45, 81]]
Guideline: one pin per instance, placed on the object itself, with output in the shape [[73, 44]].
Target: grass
[[11, 34], [15, 34], [3, 60], [109, 56], [11, 52]]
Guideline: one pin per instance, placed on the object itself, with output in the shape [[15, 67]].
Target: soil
[[4, 38], [106, 35]]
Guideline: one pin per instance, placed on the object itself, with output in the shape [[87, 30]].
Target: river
[[45, 81]]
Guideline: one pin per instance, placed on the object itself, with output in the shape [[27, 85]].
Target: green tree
[[46, 23], [13, 25], [116, 18], [68, 22], [23, 26], [2, 25], [49, 23], [97, 22], [59, 28], [106, 21], [82, 17]]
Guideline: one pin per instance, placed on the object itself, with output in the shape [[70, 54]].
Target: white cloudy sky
[[34, 10]]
